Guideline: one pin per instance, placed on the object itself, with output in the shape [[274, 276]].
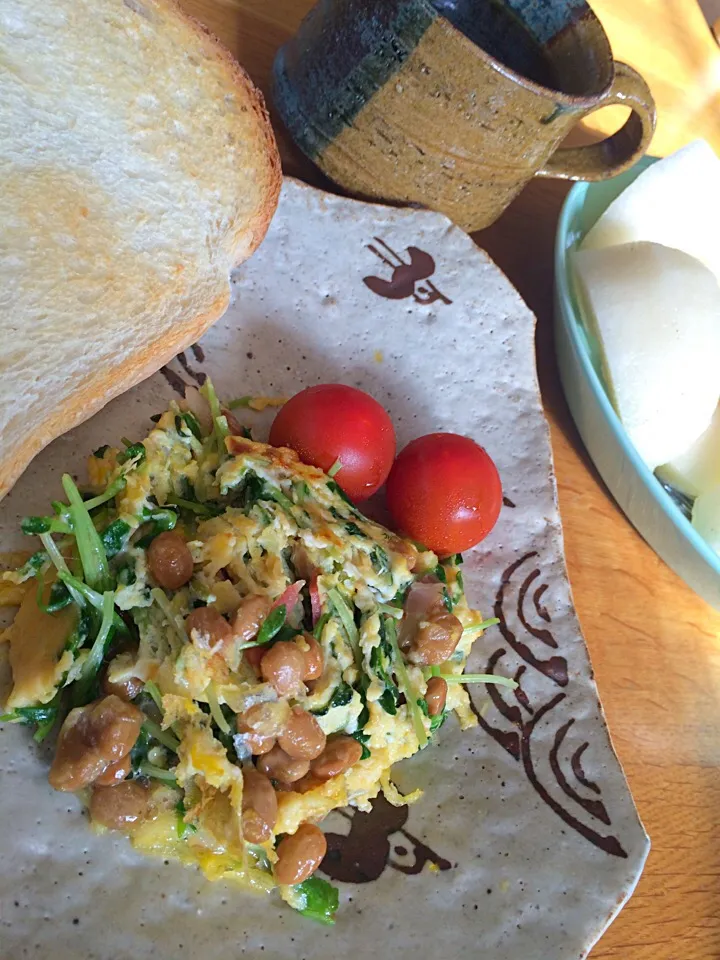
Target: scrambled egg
[[258, 524]]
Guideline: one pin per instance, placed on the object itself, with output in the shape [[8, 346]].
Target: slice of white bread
[[137, 167]]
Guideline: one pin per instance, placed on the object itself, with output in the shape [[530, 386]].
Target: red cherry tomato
[[333, 424], [444, 491]]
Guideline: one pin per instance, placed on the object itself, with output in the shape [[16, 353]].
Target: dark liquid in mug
[[501, 33]]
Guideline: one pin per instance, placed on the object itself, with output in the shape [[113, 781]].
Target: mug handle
[[598, 161]]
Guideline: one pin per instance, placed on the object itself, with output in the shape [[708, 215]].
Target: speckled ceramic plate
[[527, 842]]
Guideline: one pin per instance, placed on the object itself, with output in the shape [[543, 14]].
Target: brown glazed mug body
[[456, 104]]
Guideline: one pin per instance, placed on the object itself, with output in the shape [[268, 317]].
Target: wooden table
[[655, 646]]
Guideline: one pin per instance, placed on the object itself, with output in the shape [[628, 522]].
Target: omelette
[[226, 649]]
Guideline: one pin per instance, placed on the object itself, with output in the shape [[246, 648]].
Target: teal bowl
[[640, 496]]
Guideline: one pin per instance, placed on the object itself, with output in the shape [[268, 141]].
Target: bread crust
[[256, 100], [100, 388], [102, 385]]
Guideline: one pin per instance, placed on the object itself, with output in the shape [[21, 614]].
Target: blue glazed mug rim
[[571, 100]]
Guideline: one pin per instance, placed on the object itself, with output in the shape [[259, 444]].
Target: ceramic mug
[[456, 104]]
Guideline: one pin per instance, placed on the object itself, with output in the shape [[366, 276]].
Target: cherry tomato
[[333, 424], [444, 491]]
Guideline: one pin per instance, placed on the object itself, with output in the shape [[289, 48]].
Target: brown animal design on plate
[[409, 277], [361, 855]]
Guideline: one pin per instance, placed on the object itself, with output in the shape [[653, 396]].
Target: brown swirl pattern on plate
[[523, 716]]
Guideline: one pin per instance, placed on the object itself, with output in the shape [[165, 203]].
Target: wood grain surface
[[655, 645]]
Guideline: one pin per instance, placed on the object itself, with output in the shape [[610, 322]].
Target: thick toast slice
[[137, 167]]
